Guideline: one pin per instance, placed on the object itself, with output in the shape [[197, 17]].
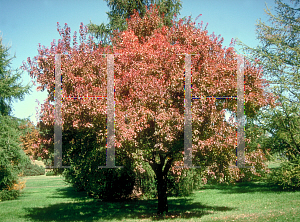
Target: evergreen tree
[[279, 54], [9, 87], [12, 158], [123, 9]]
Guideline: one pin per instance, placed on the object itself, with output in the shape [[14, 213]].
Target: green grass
[[51, 199]]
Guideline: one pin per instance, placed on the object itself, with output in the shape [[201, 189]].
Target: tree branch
[[168, 166]]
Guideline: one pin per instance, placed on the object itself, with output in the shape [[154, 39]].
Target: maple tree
[[149, 98]]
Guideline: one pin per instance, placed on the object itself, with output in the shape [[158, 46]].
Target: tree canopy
[[149, 94]]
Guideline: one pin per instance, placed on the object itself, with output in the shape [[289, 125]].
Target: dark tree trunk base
[[162, 196], [161, 179]]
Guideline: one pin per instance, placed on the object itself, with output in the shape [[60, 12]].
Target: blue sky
[[25, 24]]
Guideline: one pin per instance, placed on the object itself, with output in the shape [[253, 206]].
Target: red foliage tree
[[149, 96], [30, 141], [77, 60]]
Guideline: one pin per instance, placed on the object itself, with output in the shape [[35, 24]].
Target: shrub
[[9, 194], [11, 155], [287, 176], [47, 162], [8, 173], [183, 185], [178, 184], [145, 182], [33, 170], [18, 186], [111, 184], [13, 192], [51, 173], [12, 158], [103, 183]]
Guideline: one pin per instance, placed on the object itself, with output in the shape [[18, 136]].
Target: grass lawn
[[51, 199]]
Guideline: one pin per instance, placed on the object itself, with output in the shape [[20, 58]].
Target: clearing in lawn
[[51, 199]]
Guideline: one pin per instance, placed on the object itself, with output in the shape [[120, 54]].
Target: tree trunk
[[161, 179], [162, 193]]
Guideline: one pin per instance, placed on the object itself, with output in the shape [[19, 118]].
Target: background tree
[[120, 10], [9, 87], [279, 54], [29, 140], [12, 158]]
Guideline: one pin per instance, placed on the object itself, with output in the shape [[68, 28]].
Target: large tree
[[279, 54], [12, 158], [121, 10], [149, 98]]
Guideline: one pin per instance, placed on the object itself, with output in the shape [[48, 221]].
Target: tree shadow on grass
[[87, 209], [246, 187]]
